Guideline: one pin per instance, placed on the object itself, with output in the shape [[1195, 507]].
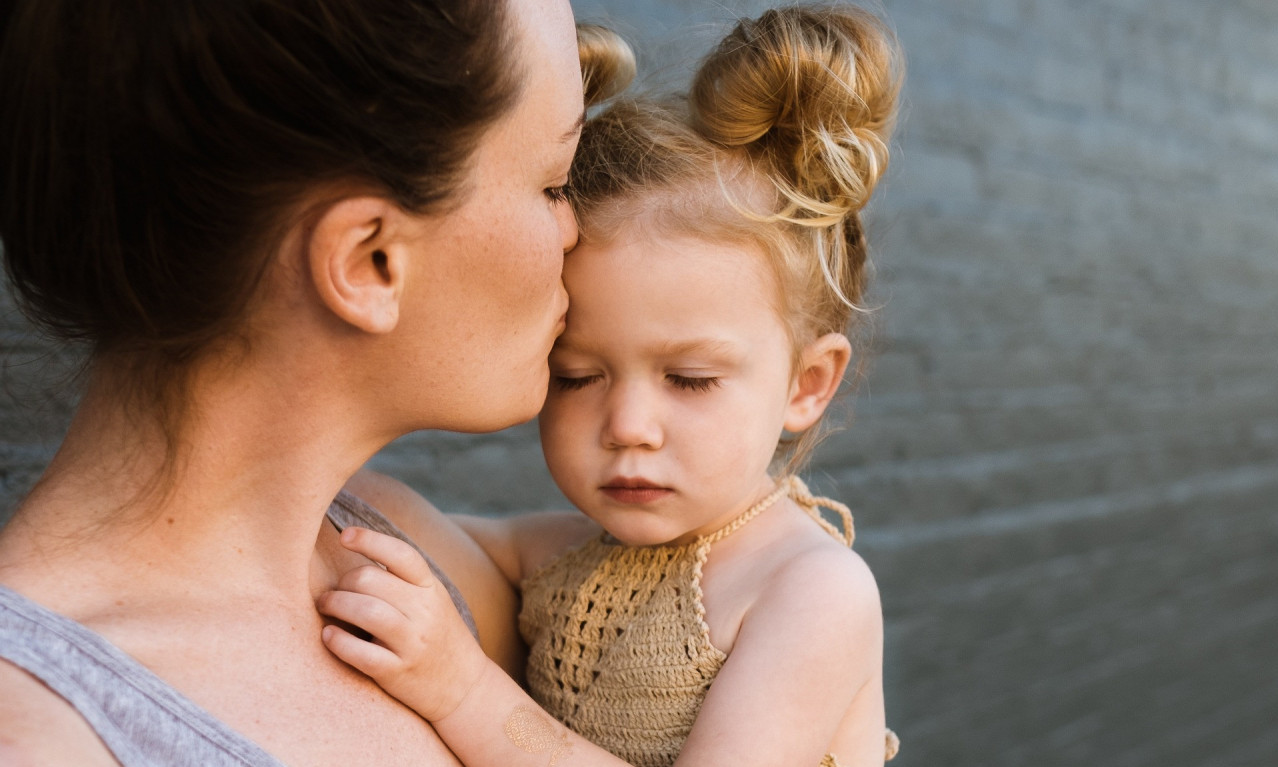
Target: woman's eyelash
[[690, 383], [557, 193], [565, 383]]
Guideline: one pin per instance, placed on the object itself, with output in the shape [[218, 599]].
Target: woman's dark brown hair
[[152, 149]]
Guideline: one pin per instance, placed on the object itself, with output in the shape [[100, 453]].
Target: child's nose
[[632, 419]]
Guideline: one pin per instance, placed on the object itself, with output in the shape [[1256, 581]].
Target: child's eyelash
[[686, 383], [557, 193], [691, 383], [565, 383]]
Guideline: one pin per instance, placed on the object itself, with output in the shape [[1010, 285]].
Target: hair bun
[[607, 62], [812, 92]]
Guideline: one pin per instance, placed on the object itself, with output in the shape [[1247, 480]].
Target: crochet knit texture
[[619, 647]]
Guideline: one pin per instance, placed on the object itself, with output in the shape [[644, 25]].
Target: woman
[[290, 231]]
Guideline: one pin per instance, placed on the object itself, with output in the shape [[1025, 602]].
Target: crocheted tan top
[[619, 649]]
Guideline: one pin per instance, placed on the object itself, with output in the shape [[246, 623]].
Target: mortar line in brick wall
[[1006, 521]]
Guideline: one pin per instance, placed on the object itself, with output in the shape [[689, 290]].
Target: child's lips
[[634, 490]]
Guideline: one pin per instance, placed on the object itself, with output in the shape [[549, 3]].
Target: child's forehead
[[645, 270], [703, 347], [665, 288], [734, 198], [670, 254]]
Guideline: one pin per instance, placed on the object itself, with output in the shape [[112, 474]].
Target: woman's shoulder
[[38, 727], [434, 532], [399, 503]]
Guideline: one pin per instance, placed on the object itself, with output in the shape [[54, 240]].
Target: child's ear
[[357, 263], [821, 370]]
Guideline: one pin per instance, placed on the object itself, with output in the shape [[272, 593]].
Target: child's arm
[[485, 558], [807, 658], [521, 543], [808, 652], [425, 656]]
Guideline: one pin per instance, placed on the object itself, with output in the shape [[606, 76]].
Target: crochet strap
[[799, 493], [749, 514]]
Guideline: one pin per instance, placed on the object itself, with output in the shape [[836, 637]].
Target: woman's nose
[[567, 226], [632, 420]]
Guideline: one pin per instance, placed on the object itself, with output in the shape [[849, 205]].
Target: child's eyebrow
[[712, 347], [709, 347]]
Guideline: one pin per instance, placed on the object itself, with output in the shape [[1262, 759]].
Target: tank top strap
[[141, 719]]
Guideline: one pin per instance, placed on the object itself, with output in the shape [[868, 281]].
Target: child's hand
[[421, 652]]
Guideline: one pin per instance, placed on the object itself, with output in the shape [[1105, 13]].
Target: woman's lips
[[634, 490]]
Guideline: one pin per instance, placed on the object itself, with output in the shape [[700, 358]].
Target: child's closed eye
[[573, 383], [693, 383]]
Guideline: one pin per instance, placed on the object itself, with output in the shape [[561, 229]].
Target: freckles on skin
[[484, 299]]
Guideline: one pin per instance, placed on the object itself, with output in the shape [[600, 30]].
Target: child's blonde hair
[[779, 144]]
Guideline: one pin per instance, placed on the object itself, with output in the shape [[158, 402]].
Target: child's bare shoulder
[[524, 542], [545, 535], [819, 579], [816, 612]]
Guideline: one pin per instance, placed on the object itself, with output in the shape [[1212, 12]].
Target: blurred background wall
[[1064, 460]]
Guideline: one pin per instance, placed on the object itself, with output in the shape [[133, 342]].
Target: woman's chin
[[498, 415], [497, 404]]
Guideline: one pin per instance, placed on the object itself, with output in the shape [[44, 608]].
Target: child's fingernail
[[348, 535], [326, 633]]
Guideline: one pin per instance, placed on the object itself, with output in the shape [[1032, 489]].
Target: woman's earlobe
[[821, 368], [354, 263]]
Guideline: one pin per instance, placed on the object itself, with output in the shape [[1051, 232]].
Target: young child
[[718, 618]]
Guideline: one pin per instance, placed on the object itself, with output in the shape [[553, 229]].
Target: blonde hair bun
[[811, 91], [607, 62]]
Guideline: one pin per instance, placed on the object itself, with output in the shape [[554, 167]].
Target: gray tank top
[[142, 720]]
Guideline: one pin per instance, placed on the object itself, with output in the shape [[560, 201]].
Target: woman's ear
[[821, 368], [356, 263]]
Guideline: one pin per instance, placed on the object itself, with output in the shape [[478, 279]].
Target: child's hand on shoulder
[[421, 650]]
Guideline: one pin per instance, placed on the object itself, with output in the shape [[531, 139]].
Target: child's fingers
[[383, 584], [371, 659], [397, 556], [372, 614], [398, 610]]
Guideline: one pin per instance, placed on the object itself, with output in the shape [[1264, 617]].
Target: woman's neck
[[237, 505]]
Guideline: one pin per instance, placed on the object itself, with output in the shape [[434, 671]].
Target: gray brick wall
[[37, 387], [1065, 457]]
